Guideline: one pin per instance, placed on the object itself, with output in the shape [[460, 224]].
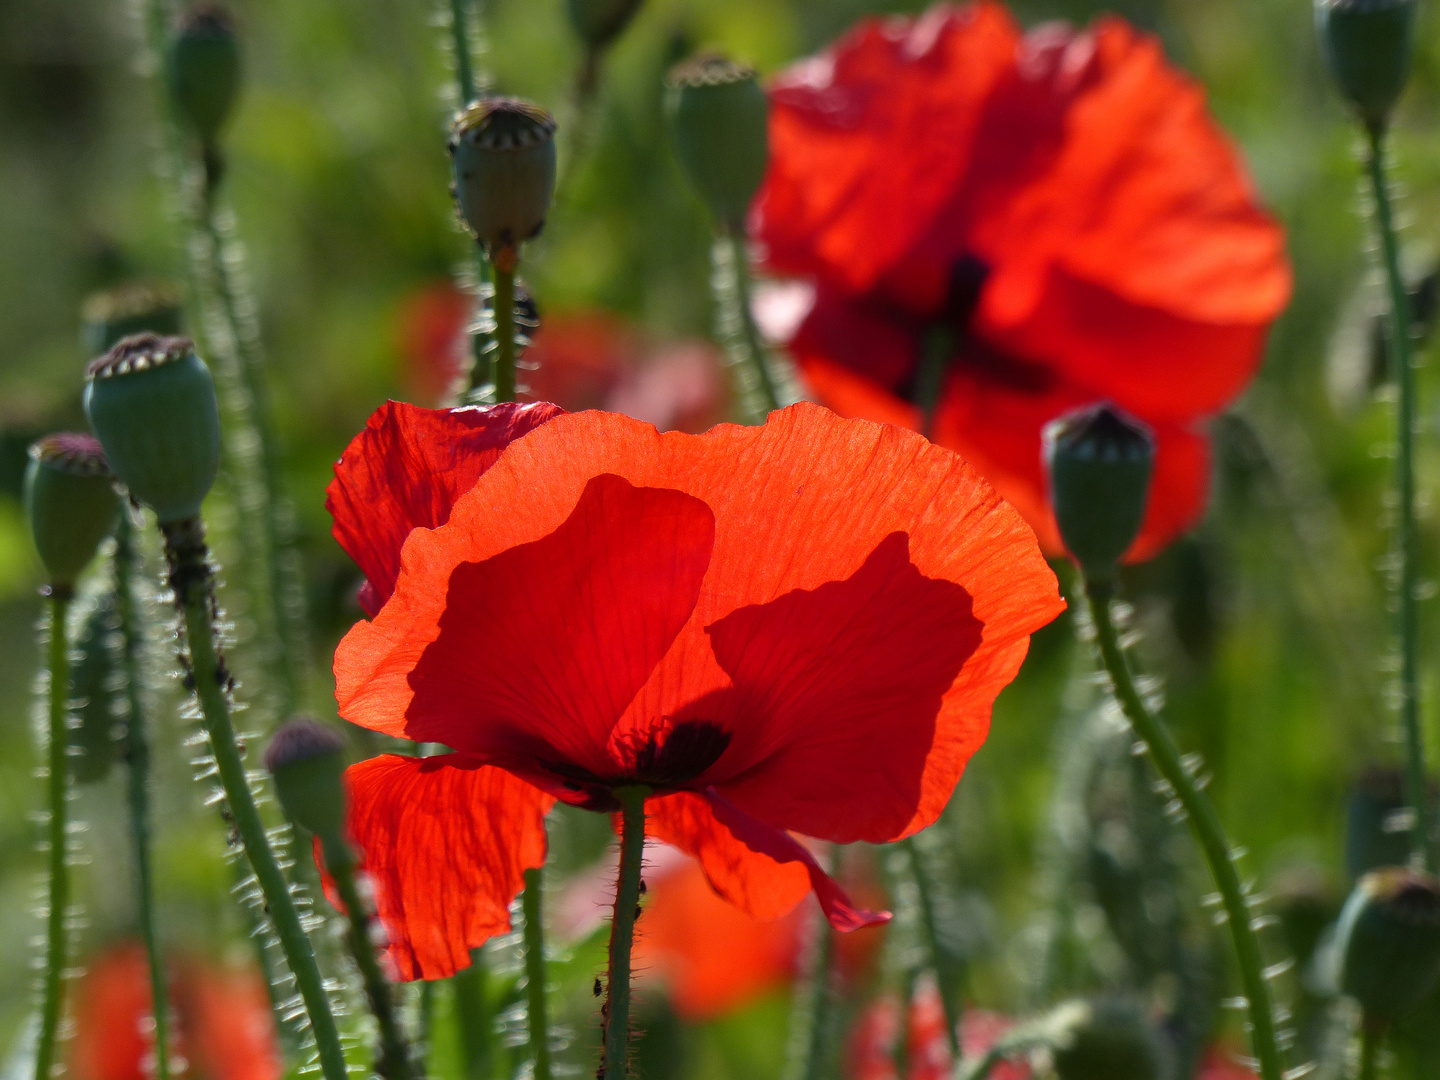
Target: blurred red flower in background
[[872, 1042], [801, 626], [221, 1024], [1015, 226], [579, 360]]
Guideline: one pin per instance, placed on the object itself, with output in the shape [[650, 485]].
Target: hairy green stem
[[137, 759], [1205, 824], [393, 1061], [504, 305], [192, 579], [807, 1054], [1408, 619], [925, 890], [746, 354], [57, 935], [460, 42], [622, 932], [538, 1010]]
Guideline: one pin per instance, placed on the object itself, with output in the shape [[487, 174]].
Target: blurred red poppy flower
[[927, 1048], [578, 360], [221, 1024], [1220, 1063], [1011, 226], [801, 626]]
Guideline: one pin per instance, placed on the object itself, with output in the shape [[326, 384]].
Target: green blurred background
[[1269, 622]]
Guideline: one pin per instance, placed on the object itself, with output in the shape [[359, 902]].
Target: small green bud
[[1100, 464], [1387, 942], [93, 686], [71, 502], [1108, 1039], [719, 123], [502, 152], [128, 309], [1378, 822], [202, 68], [599, 22], [151, 402], [307, 761], [1367, 45]]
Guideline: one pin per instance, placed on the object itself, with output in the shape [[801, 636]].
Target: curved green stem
[[538, 1010], [748, 358], [807, 1055], [393, 1062], [57, 937], [1408, 620], [622, 932], [504, 305], [1206, 825], [137, 757], [192, 580]]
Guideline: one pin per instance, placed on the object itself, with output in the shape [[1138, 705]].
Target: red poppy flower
[[927, 1047], [1053, 216], [796, 627], [221, 1024]]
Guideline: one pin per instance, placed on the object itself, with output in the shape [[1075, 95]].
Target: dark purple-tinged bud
[[202, 68], [307, 761], [719, 123], [599, 22], [1367, 46], [1387, 942], [151, 403], [502, 152], [71, 502], [132, 308], [1108, 1039], [1100, 464]]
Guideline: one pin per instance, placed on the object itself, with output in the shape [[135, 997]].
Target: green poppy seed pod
[[719, 120], [1100, 465], [502, 152], [151, 403], [307, 761], [128, 309], [202, 67], [1109, 1039], [1367, 46], [1387, 942], [71, 502], [599, 22]]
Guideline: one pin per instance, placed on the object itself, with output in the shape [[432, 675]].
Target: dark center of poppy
[[690, 748]]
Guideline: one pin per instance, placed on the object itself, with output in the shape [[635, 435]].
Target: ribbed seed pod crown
[[502, 153], [719, 117], [70, 501], [151, 403]]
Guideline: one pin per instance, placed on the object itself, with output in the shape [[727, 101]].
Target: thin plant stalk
[[192, 579], [57, 788], [1408, 623], [757, 386], [474, 1021], [925, 897], [504, 305], [460, 42], [137, 759], [622, 932], [1206, 826], [536, 1005], [808, 1052], [394, 1062]]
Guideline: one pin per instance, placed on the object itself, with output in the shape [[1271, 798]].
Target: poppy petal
[[445, 841], [523, 638], [761, 870], [405, 471]]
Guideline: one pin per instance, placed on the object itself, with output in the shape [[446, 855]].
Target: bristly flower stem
[[622, 932], [504, 305], [930, 927], [460, 41], [1408, 626], [1206, 825], [532, 901], [192, 579], [57, 936], [757, 387], [137, 759], [807, 1056], [394, 1059]]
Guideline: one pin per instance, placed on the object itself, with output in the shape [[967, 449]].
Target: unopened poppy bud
[[128, 309], [203, 70], [502, 151], [719, 118], [151, 403], [1100, 464], [1367, 45], [1109, 1039], [1387, 942], [71, 502], [599, 22], [307, 761]]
